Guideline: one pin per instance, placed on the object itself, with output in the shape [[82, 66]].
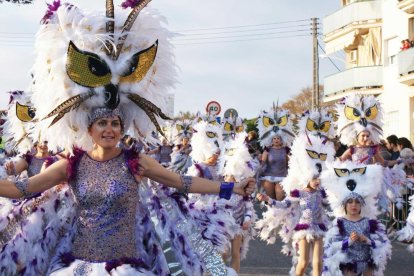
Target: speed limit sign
[[213, 108]]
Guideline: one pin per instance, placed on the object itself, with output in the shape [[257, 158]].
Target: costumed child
[[182, 131], [215, 218], [300, 218], [236, 164], [357, 243], [276, 136]]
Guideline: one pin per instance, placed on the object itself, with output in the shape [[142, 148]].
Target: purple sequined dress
[[276, 165]]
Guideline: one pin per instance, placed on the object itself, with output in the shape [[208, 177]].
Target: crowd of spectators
[[406, 44]]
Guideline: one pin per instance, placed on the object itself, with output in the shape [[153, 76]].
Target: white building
[[370, 33], [170, 105]]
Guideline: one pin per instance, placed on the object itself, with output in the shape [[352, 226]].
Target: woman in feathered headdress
[[276, 135], [97, 76]]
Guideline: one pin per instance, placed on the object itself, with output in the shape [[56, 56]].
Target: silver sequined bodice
[[310, 204], [107, 196], [276, 164], [363, 155], [357, 251]]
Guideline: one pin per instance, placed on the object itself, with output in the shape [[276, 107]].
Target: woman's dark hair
[[392, 139], [404, 143]]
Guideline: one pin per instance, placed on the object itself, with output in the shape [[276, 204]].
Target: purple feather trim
[[341, 227], [51, 9], [73, 162], [130, 4], [299, 227], [132, 160], [67, 258], [322, 227], [295, 193], [373, 226], [323, 193], [135, 263]]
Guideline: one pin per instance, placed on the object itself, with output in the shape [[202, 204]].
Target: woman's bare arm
[[54, 175], [16, 167], [152, 169], [346, 155]]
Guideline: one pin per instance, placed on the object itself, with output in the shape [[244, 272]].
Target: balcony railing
[[366, 80], [363, 11], [406, 66], [406, 5]]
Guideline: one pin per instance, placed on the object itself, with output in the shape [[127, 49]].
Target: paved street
[[265, 259]]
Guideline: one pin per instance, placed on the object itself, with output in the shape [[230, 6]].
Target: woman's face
[[106, 132], [42, 147], [353, 207], [276, 141], [185, 141], [363, 138]]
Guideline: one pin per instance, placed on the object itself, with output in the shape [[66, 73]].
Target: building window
[[392, 49]]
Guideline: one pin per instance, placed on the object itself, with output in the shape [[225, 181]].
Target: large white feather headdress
[[236, 159], [121, 59], [357, 113], [232, 126], [309, 154], [317, 122], [345, 180], [275, 122], [181, 129], [206, 141]]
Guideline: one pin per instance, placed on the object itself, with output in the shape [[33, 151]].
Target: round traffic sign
[[213, 108]]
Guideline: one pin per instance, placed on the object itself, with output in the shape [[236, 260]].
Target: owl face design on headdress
[[231, 127], [317, 122], [19, 124], [207, 140], [88, 60], [235, 160], [309, 155], [359, 113], [345, 180], [275, 122], [182, 129]]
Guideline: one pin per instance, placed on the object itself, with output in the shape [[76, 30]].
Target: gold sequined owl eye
[[268, 121], [352, 113], [282, 121], [311, 125], [228, 127], [86, 68], [341, 172], [139, 64], [371, 112]]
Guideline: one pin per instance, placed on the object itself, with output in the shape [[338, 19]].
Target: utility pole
[[315, 91]]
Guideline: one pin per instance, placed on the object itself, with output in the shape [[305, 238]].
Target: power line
[[244, 31], [239, 40], [320, 47], [242, 26], [245, 35]]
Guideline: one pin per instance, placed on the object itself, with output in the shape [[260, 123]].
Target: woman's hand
[[354, 237], [246, 225], [262, 197], [245, 187], [10, 169]]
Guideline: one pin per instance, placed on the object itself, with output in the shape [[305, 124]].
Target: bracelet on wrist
[[226, 189]]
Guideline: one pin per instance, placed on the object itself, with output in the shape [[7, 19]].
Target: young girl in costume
[[300, 218], [180, 157], [357, 243], [276, 135], [96, 77], [236, 164]]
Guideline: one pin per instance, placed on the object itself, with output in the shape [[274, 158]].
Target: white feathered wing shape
[[275, 122], [71, 61], [357, 113]]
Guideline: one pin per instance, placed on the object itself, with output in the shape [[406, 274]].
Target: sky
[[218, 56]]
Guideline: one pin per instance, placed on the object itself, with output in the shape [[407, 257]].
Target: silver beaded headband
[[104, 112], [353, 195]]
